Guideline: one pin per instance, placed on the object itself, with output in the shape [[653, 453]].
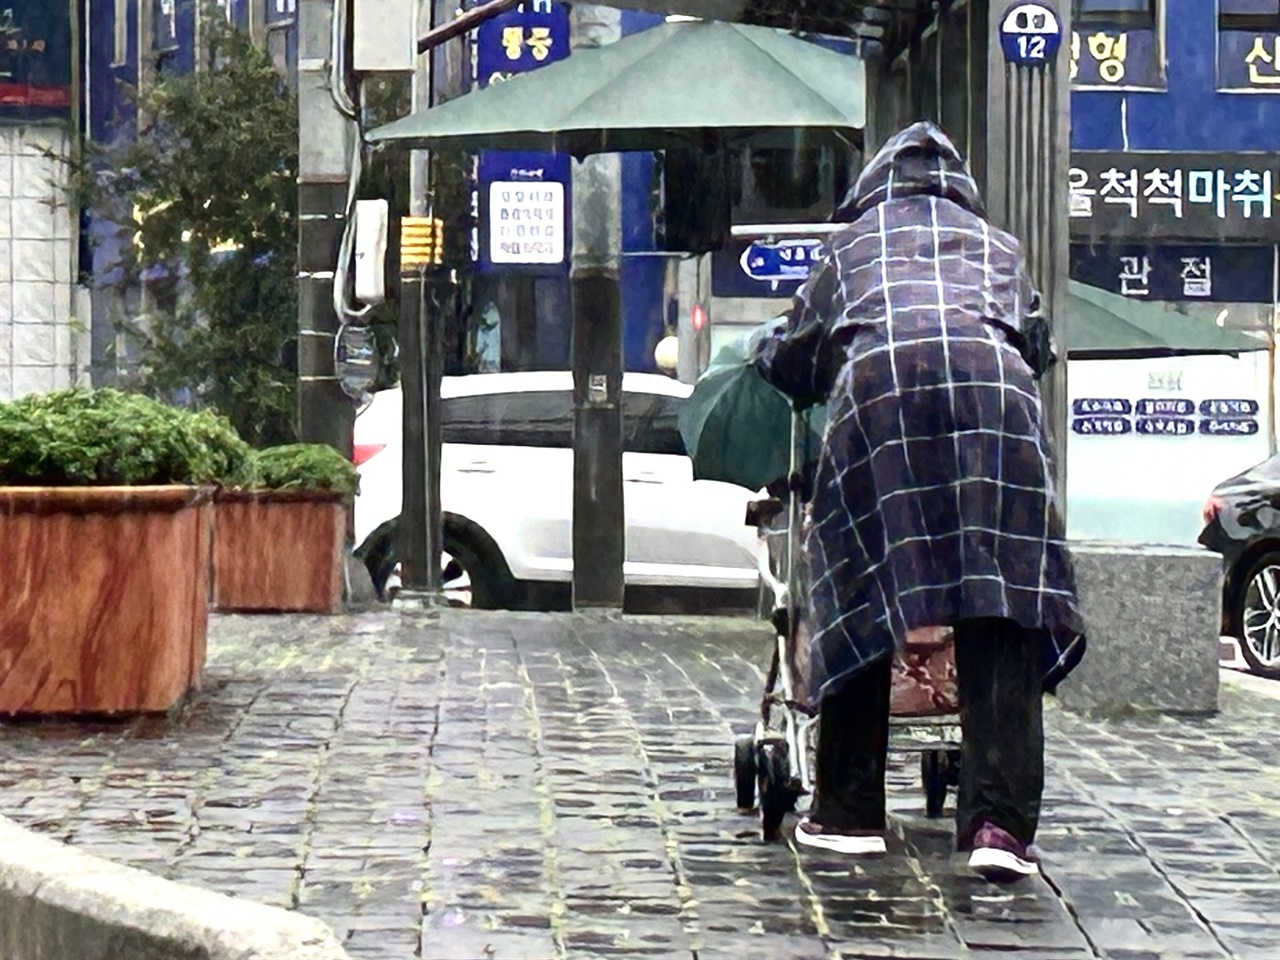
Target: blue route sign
[[1166, 426], [1229, 428], [1166, 407], [1030, 34], [1101, 426], [1228, 409], [783, 261]]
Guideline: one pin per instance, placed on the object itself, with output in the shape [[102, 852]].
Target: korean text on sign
[[1249, 60], [527, 222], [1172, 190], [1109, 50]]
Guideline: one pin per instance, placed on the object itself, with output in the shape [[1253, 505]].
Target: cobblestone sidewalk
[[497, 785]]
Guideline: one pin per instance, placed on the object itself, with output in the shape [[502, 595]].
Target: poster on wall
[[35, 59]]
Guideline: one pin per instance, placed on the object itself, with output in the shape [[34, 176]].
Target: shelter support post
[[420, 536], [599, 524], [413, 546]]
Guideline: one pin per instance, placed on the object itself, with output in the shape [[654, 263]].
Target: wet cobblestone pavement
[[512, 786]]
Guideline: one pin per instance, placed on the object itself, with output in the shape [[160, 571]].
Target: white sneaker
[[862, 843]]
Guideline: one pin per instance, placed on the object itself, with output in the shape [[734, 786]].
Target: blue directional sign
[[781, 261], [1030, 34]]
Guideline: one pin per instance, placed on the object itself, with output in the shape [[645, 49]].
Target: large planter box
[[104, 597], [279, 551]]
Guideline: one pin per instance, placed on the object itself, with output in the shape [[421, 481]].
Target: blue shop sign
[[1166, 426], [1208, 272], [1030, 34], [1249, 60], [522, 227], [35, 60], [1229, 428], [1110, 56], [533, 35], [1101, 426]]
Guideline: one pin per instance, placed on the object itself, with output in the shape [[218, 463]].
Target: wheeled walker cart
[[773, 765]]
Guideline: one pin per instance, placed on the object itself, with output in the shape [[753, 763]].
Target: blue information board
[[522, 228]]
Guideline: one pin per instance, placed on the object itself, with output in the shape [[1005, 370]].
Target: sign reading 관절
[[526, 222]]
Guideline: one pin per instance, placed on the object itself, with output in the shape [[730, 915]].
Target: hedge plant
[[310, 467], [111, 438]]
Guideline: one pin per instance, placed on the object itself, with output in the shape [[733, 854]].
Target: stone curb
[[60, 903]]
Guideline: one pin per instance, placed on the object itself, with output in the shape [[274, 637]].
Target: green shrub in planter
[[111, 438], [305, 467], [278, 543]]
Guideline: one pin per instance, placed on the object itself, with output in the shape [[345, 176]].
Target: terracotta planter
[[104, 597], [279, 551]]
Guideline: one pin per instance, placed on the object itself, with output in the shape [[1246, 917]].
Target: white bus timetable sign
[[526, 222]]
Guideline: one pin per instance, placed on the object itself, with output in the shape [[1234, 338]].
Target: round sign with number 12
[[1030, 34]]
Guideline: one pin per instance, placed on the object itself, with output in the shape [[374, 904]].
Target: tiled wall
[[42, 346]]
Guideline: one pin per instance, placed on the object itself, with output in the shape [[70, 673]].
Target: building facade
[[41, 330], [1174, 198], [66, 71]]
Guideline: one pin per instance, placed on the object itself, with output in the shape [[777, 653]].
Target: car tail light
[[1212, 507], [364, 452]]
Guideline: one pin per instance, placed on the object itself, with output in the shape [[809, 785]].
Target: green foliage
[[209, 190], [112, 438], [305, 466]]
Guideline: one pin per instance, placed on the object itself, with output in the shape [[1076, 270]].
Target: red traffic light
[[699, 316]]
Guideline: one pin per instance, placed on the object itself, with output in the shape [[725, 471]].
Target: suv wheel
[[474, 573], [1258, 617]]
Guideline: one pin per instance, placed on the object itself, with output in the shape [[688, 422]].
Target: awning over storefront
[[680, 83], [1106, 326]]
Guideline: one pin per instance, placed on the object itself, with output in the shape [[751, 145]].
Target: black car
[[1242, 522]]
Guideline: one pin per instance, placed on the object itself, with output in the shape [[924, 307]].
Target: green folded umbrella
[[737, 427]]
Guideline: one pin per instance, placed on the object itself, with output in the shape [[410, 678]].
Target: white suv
[[507, 492]]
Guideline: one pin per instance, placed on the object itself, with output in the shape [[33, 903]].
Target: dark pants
[[999, 670]]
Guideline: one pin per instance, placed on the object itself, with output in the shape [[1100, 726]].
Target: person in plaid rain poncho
[[933, 502]]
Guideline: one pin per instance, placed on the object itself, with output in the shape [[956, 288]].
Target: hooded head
[[920, 160]]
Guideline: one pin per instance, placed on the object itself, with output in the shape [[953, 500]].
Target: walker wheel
[[934, 774], [744, 772], [778, 791]]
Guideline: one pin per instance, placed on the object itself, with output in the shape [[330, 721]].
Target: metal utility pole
[[1027, 159], [421, 529], [599, 529], [325, 141]]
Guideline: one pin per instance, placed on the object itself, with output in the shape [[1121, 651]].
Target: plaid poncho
[[934, 497]]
